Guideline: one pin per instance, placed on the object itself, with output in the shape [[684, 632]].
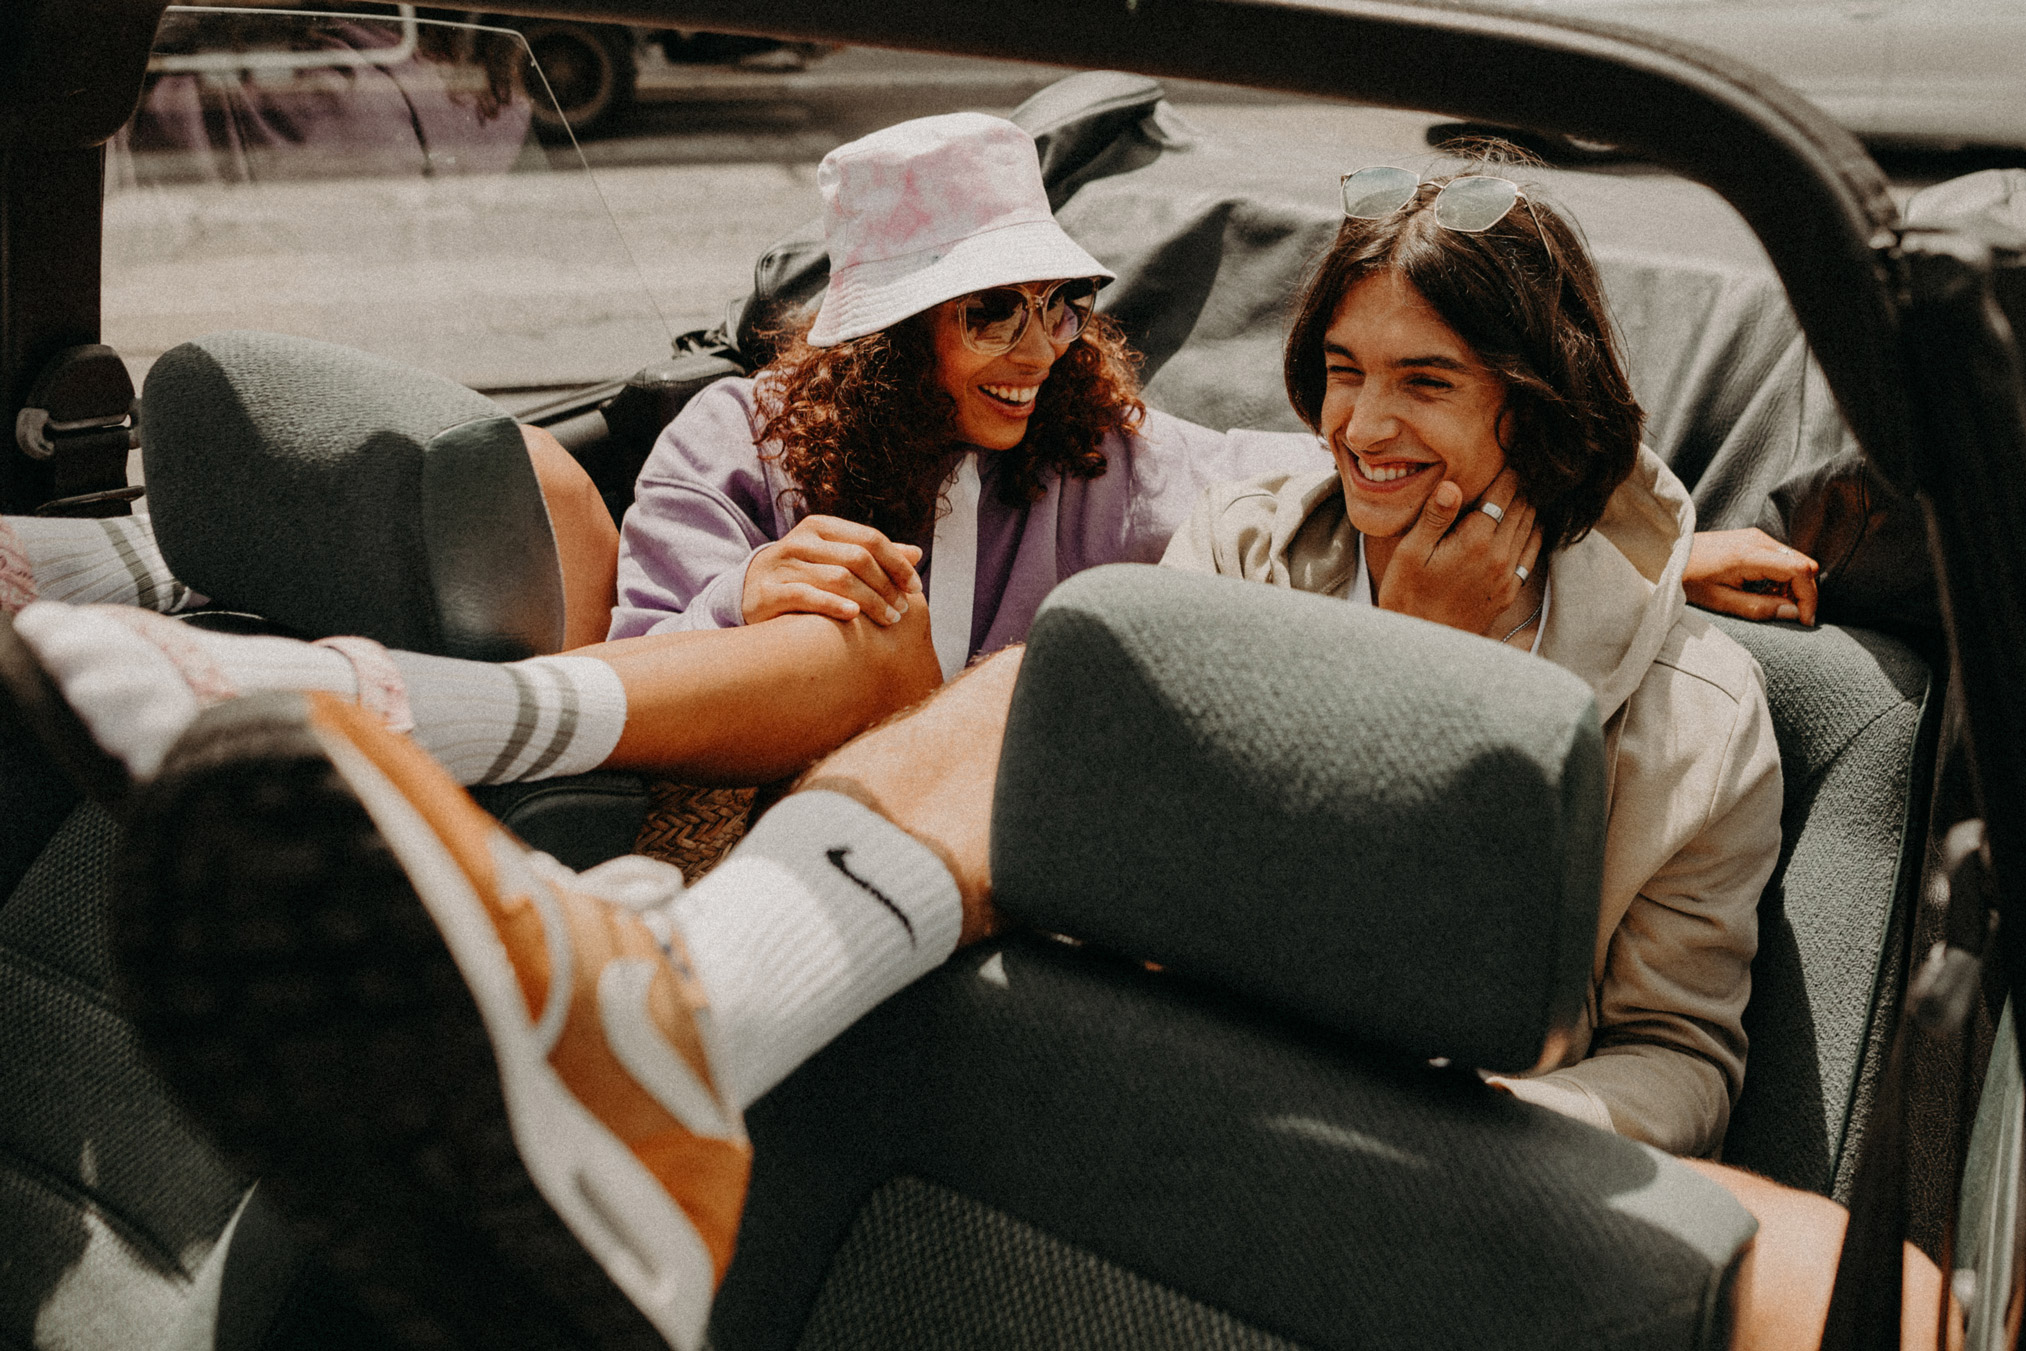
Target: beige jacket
[[1693, 784]]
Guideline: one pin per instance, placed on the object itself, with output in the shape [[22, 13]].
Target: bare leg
[[931, 771], [587, 543], [1783, 1290]]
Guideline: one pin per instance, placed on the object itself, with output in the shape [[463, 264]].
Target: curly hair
[[867, 433], [1525, 297]]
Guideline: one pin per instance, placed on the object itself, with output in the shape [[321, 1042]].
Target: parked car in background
[[592, 70], [1941, 73]]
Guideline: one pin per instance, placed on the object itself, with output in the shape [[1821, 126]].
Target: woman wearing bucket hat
[[956, 415]]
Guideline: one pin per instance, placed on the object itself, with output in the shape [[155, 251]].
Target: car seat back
[[1856, 715], [336, 492], [116, 1127], [1055, 1142], [1045, 1146], [97, 1251]]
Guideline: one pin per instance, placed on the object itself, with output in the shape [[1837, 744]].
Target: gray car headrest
[[338, 492], [1380, 824]]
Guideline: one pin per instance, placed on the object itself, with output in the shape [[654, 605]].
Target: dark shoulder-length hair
[[867, 433], [1525, 296]]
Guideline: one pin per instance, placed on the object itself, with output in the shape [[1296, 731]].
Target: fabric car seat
[[113, 1204], [331, 492], [1857, 715], [1291, 849]]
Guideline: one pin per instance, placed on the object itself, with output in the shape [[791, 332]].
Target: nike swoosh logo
[[837, 857]]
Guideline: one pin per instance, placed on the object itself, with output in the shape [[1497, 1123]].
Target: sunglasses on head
[[995, 320], [1471, 204]]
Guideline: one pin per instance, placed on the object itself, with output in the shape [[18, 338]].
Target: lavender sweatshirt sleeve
[[704, 502], [1173, 461]]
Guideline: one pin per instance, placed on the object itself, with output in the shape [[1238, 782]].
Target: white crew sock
[[114, 561], [822, 912], [137, 680]]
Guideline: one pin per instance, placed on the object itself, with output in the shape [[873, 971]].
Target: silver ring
[[1520, 572], [1493, 510]]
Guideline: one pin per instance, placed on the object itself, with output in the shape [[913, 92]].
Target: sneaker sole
[[336, 1025]]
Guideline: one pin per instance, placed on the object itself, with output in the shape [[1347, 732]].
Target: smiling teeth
[[1012, 393], [1390, 472]]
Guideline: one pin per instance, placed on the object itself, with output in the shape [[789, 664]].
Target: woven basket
[[692, 827]]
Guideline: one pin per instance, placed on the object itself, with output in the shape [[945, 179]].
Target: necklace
[[1528, 620]]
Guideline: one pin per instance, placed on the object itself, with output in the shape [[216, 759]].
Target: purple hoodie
[[706, 501]]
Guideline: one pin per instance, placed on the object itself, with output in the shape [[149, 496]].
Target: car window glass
[[372, 180]]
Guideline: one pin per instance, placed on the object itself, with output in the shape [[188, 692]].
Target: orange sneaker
[[483, 1080]]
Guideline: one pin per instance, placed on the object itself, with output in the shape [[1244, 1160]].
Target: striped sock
[[114, 561], [137, 680], [533, 719]]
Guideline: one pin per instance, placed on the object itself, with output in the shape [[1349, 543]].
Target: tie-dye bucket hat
[[930, 210]]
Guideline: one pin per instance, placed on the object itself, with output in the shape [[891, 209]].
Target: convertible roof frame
[[1804, 184]]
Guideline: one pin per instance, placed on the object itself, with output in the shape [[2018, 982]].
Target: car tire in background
[[591, 69]]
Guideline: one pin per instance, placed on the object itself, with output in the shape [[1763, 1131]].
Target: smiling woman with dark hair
[[864, 427], [1454, 355]]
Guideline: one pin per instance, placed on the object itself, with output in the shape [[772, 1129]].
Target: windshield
[[375, 181]]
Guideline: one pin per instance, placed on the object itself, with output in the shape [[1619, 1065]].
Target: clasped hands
[[836, 568]]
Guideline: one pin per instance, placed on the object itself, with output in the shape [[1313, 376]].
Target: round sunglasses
[[995, 320], [1471, 204]]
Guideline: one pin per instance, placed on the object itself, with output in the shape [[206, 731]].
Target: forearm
[[1669, 1098], [755, 704]]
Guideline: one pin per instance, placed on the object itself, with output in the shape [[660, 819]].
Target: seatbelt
[[1864, 1308], [953, 568]]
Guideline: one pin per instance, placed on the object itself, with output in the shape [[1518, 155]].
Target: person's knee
[[932, 771], [1784, 1286], [587, 542]]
